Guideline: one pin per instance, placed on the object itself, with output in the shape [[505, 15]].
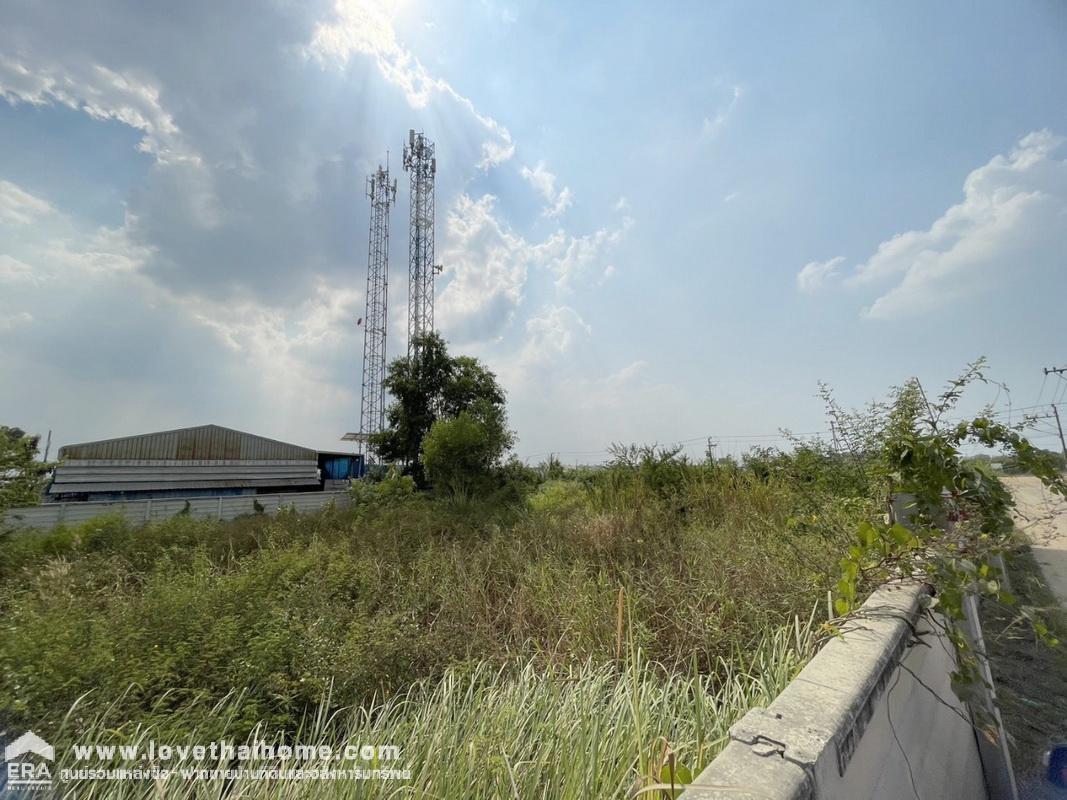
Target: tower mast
[[421, 163], [382, 195]]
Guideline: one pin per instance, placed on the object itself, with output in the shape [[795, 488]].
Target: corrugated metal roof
[[205, 442]]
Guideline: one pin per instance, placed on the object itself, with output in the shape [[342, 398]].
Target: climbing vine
[[947, 518]]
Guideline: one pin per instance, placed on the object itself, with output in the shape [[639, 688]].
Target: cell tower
[[382, 195], [419, 160]]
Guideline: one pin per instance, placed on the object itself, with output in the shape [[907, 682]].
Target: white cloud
[[545, 183], [541, 179], [329, 312], [273, 335], [582, 253], [68, 253], [815, 273], [14, 271], [105, 251], [715, 123], [487, 265], [622, 204], [9, 321], [366, 26], [1013, 219], [102, 94], [130, 98], [552, 334], [19, 207], [496, 151], [563, 202], [293, 352]]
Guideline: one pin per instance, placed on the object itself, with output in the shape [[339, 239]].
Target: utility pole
[[421, 162], [1059, 427], [382, 195], [1056, 413]]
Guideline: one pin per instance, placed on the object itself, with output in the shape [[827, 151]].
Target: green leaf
[[850, 569], [683, 776], [866, 534], [901, 535]]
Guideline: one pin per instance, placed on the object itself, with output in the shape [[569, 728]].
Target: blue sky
[[657, 223]]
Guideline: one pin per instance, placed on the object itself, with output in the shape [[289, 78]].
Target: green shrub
[[459, 453], [559, 497]]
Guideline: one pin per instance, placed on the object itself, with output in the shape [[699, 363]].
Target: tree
[[434, 386], [21, 475], [460, 453]]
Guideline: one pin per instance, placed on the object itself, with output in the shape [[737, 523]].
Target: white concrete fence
[[50, 515], [872, 716]]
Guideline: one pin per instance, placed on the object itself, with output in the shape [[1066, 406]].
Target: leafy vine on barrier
[[948, 518]]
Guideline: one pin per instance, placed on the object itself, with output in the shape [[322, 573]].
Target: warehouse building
[[205, 461]]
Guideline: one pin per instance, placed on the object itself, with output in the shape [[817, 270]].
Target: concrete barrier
[[50, 515], [872, 716]]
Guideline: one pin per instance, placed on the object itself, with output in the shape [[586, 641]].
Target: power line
[[1063, 390], [1041, 393], [1055, 411]]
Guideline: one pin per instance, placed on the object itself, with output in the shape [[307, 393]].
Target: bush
[[459, 453], [393, 489], [559, 497]]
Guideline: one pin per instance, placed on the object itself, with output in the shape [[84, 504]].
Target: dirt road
[[1043, 517]]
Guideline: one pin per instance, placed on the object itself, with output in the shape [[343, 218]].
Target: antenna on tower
[[421, 163], [382, 194]]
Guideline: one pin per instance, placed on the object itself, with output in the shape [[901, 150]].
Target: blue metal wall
[[340, 467]]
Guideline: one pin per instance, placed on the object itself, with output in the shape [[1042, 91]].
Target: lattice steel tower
[[420, 162], [382, 195]]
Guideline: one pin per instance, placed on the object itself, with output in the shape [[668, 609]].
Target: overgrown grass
[[523, 732], [508, 624]]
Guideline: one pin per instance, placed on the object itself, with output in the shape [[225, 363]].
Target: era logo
[[26, 773], [23, 773]]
